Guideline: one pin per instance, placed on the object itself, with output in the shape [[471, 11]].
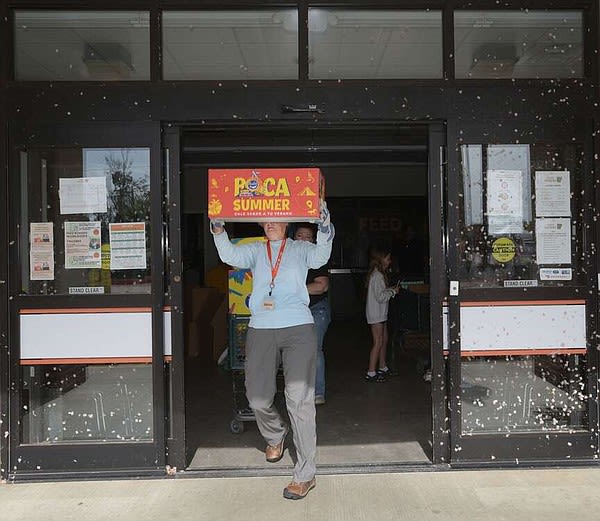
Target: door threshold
[[82, 475], [361, 468], [525, 464]]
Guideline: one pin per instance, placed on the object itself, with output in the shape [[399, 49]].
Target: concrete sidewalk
[[491, 495]]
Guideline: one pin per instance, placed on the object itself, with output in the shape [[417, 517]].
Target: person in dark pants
[[281, 331], [317, 283]]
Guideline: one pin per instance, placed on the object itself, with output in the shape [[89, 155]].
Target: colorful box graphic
[[265, 194], [240, 287], [240, 284]]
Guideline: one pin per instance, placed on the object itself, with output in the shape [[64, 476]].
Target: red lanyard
[[274, 269]]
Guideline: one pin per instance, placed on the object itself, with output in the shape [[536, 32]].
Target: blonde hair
[[376, 256]]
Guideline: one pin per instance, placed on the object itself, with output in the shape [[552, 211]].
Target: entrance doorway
[[378, 186]]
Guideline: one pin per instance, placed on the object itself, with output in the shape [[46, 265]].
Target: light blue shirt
[[289, 294]]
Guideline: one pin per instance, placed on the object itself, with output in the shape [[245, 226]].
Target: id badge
[[268, 304]]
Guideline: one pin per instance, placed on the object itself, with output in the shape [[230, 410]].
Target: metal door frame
[[438, 284], [135, 458], [537, 447], [176, 439]]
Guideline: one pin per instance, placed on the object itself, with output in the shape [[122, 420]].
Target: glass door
[[521, 304], [86, 300]]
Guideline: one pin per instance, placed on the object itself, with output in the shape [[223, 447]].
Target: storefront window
[[86, 403], [374, 44], [518, 44], [516, 394], [524, 363], [230, 45], [522, 216], [82, 45], [85, 221]]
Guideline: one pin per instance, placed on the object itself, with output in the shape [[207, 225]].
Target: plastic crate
[[238, 326]]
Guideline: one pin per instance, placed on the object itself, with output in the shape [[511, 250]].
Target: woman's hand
[[325, 218], [217, 227], [325, 225]]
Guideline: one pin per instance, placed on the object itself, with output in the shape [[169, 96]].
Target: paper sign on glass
[[127, 246], [505, 201], [41, 251], [553, 194], [82, 195], [82, 245], [553, 241], [556, 274]]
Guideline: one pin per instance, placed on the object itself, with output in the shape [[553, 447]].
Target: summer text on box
[[265, 194]]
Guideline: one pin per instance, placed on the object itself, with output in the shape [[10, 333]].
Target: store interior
[[376, 189]]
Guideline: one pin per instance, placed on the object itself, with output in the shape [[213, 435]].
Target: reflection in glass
[[366, 44], [79, 403], [498, 249], [125, 195], [524, 394], [82, 45], [518, 44], [230, 45]]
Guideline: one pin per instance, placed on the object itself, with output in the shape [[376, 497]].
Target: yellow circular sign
[[503, 249]]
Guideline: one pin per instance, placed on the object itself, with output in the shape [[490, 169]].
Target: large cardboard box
[[206, 323], [201, 301], [220, 338], [265, 194], [240, 287], [239, 283], [193, 344]]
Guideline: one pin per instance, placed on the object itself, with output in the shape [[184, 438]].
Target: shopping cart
[[408, 327], [238, 326]]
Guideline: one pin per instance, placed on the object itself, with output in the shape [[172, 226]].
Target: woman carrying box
[[281, 331]]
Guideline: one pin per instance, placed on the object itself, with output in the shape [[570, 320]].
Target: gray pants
[[296, 349]]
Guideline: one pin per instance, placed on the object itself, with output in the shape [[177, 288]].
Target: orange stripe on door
[[92, 361], [82, 311], [87, 361], [522, 303], [521, 352]]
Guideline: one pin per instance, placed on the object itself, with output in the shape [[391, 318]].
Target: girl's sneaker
[[377, 377]]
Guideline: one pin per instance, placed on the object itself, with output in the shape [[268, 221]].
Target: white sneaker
[[427, 376], [319, 400]]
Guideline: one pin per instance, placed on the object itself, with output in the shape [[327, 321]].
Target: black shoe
[[379, 378]]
